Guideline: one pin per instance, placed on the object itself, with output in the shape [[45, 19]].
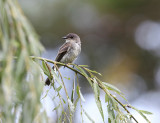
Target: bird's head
[[72, 37]]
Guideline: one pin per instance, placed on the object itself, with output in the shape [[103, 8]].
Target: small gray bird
[[69, 51]]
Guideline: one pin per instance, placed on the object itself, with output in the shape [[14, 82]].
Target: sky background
[[120, 39]]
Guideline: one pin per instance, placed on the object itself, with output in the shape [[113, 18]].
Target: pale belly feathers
[[72, 54]]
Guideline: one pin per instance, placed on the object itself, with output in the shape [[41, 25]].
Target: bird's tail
[[48, 82]]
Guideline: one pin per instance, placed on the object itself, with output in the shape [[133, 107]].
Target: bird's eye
[[71, 37]]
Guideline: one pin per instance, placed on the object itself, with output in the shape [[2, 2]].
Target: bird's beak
[[64, 37]]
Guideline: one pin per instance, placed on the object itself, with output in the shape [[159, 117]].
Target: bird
[[68, 52]]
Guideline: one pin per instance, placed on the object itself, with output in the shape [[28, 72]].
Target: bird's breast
[[72, 54]]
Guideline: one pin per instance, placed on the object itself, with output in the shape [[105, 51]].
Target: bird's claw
[[66, 64], [75, 65]]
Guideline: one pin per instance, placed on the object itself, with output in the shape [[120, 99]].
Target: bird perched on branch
[[69, 51]]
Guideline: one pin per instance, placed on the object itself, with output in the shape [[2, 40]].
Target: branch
[[59, 63], [99, 82]]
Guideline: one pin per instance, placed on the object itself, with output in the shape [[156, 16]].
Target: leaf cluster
[[20, 87], [20, 84], [117, 111]]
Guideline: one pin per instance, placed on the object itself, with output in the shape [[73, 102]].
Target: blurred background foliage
[[120, 39], [111, 26], [20, 84]]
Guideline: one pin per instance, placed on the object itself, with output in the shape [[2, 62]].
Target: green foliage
[[117, 112], [97, 98], [20, 84], [141, 112]]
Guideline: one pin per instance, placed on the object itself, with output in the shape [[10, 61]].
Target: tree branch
[[99, 82]]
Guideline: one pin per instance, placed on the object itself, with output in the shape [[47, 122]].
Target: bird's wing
[[62, 51]]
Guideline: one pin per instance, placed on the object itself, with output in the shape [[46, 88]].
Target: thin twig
[[80, 98], [62, 81], [65, 91]]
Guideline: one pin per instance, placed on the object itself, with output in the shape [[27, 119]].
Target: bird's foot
[[73, 65], [66, 64]]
